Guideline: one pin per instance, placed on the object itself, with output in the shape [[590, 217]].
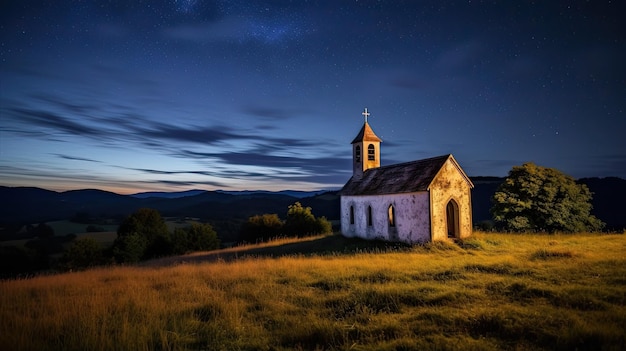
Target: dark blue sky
[[131, 96]]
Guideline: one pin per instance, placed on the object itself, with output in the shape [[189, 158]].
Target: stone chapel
[[413, 202]]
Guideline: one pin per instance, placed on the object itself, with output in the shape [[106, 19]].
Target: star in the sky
[[185, 6]]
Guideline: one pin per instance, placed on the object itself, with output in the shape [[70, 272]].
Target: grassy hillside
[[494, 291]]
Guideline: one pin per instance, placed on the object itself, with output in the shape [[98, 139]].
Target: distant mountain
[[293, 193], [175, 195], [168, 195], [608, 200], [34, 205], [484, 188]]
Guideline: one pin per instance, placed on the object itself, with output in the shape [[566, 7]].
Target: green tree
[[129, 248], [201, 237], [534, 198], [180, 243], [196, 237], [148, 224], [84, 252], [261, 228], [145, 221], [323, 225], [301, 222]]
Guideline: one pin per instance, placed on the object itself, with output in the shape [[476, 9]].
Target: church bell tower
[[365, 150]]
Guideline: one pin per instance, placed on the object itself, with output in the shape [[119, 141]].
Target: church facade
[[413, 202]]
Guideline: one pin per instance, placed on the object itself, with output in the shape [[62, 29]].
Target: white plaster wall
[[450, 184], [412, 217]]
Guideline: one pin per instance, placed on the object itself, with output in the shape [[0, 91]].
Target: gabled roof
[[406, 177], [366, 134]]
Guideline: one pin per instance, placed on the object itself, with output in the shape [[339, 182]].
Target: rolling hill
[[21, 205]]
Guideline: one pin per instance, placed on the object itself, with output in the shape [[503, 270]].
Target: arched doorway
[[452, 219]]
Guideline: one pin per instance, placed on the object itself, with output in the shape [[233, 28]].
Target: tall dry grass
[[493, 291]]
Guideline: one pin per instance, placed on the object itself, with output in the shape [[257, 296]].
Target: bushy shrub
[[129, 248], [261, 228], [180, 243], [196, 237], [84, 252], [323, 225], [301, 222]]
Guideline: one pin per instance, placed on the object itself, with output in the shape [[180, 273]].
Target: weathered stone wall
[[412, 217], [450, 184]]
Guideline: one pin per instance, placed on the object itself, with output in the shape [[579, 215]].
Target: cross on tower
[[365, 114]]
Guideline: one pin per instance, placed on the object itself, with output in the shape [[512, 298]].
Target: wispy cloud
[[205, 135], [55, 114], [75, 158], [278, 167], [53, 121]]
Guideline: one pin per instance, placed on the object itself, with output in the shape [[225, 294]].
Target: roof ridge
[[410, 162]]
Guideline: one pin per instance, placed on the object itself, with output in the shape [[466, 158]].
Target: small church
[[413, 202]]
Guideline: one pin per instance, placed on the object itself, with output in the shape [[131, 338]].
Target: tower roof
[[366, 134]]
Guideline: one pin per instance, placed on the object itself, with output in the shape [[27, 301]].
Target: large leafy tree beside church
[[534, 198]]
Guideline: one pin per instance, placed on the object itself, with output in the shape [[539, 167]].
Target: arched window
[[371, 152], [357, 153], [351, 214], [392, 216], [369, 216]]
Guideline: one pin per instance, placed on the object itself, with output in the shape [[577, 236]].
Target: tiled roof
[[399, 178], [366, 134]]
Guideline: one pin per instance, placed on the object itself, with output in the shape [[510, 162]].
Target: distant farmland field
[[490, 292], [106, 236], [68, 227]]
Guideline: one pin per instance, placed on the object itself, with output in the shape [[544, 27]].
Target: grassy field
[[493, 291]]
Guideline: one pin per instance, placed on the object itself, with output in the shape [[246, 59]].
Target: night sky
[[132, 96]]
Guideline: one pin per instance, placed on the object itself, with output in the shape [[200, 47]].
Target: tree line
[[531, 199], [141, 236], [144, 235], [300, 221]]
